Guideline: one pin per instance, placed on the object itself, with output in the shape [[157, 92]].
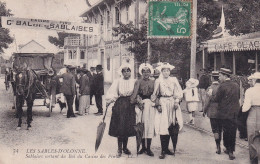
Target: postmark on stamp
[[169, 19]]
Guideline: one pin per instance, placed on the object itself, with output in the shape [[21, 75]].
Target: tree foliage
[[5, 38], [138, 37], [59, 41], [241, 17]]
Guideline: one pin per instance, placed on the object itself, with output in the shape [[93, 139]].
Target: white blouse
[[252, 97], [120, 88], [168, 87]]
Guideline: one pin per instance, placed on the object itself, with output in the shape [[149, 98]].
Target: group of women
[[154, 102]]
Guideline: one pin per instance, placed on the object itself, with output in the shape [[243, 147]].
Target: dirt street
[[57, 139]]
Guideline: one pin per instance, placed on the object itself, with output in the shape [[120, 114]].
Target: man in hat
[[84, 92], [211, 109], [203, 85], [227, 98], [92, 85], [68, 89], [99, 89]]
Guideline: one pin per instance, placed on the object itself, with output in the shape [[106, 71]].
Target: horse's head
[[21, 82]]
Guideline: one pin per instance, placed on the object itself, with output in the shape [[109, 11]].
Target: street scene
[[129, 81], [56, 132]]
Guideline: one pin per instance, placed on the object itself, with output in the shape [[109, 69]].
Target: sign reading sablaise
[[169, 19], [234, 45], [42, 24]]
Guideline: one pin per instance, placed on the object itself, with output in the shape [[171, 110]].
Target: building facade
[[105, 49]]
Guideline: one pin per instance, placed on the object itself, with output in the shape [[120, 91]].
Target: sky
[[61, 10]]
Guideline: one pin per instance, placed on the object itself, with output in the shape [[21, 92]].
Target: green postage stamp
[[169, 19]]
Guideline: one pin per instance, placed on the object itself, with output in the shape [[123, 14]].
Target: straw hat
[[215, 73], [145, 66], [225, 71]]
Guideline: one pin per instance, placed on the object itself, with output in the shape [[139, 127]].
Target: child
[[191, 96]]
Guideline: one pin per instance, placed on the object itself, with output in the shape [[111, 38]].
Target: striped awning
[[234, 43]]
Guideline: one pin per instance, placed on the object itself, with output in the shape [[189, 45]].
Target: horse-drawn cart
[[32, 78]]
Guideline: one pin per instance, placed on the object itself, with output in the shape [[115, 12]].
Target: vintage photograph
[[129, 81]]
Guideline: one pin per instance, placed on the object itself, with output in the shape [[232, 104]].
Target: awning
[[33, 55], [246, 42]]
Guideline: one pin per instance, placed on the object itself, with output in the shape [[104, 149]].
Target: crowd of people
[[155, 98], [80, 85]]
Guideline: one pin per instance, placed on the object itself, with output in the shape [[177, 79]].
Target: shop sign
[[251, 61], [42, 24], [237, 45]]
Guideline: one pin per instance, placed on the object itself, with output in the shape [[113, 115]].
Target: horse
[[26, 86], [25, 90]]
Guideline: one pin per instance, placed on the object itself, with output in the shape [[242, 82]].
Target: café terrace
[[240, 53]]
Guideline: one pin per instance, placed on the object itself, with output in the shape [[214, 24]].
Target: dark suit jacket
[[211, 107], [203, 82], [91, 81], [99, 84], [227, 98], [84, 88], [69, 84]]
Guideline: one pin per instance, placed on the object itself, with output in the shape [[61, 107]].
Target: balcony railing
[[74, 41]]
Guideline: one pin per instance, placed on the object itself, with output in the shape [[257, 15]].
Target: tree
[[5, 38], [59, 41], [138, 37], [174, 51], [242, 17]]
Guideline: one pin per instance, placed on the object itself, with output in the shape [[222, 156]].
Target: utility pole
[[149, 52], [193, 40]]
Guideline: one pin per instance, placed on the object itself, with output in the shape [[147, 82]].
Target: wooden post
[[234, 63], [193, 41], [149, 51], [215, 61], [137, 14], [222, 58], [256, 61]]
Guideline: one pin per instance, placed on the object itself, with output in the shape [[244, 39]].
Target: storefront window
[[108, 19], [70, 55], [108, 63], [127, 13], [82, 55], [117, 15], [74, 54]]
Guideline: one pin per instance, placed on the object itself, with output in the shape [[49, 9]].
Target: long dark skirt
[[123, 118]]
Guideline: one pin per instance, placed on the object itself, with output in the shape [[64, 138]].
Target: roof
[[246, 42], [33, 55], [29, 43], [84, 14]]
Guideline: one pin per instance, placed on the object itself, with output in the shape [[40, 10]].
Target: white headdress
[[191, 83], [145, 66], [124, 65], [164, 65]]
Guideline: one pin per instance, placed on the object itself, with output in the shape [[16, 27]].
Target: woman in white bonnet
[[142, 96], [169, 92], [123, 112]]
